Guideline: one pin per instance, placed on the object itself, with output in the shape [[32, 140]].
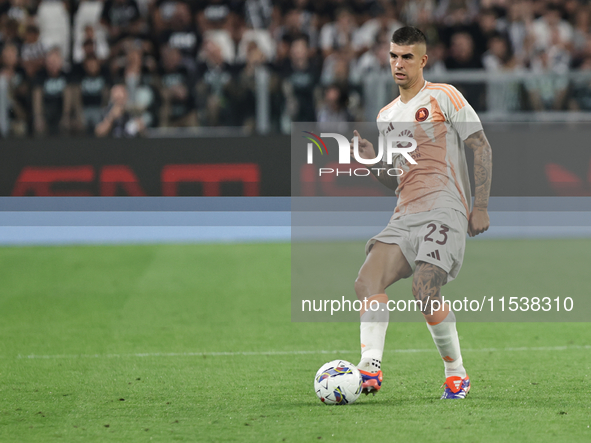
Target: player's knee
[[366, 287], [361, 288]]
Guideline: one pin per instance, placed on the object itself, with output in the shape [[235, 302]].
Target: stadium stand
[[260, 64]]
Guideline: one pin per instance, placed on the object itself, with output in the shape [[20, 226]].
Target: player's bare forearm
[[482, 168], [379, 169], [479, 220]]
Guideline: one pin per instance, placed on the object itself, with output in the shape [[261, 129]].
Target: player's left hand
[[478, 222]]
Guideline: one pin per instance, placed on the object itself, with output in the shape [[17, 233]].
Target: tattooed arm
[[479, 220], [367, 151]]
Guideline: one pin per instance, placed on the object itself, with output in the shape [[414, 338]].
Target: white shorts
[[437, 237]]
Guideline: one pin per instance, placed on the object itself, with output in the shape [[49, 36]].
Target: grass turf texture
[[93, 309]]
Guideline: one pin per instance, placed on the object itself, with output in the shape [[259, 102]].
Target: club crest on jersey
[[422, 114]]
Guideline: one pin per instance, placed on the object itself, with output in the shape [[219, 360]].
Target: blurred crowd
[[117, 67]]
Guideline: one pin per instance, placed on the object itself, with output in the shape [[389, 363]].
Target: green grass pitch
[[127, 343]]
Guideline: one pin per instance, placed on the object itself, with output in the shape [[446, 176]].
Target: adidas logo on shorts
[[434, 254]]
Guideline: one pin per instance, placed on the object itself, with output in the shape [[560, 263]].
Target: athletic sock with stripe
[[374, 324], [447, 341]]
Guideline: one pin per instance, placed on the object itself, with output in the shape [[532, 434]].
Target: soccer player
[[426, 236]]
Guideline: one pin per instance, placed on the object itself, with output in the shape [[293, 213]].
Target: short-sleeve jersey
[[439, 118]]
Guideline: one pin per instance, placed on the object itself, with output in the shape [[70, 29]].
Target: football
[[338, 383]]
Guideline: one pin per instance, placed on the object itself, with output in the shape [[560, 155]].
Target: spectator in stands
[[163, 11], [430, 28], [90, 91], [334, 106], [278, 66], [51, 98], [499, 56], [214, 14], [300, 81], [54, 22], [462, 56], [488, 26], [364, 10], [520, 17], [338, 34], [373, 76], [213, 76], [547, 86], [134, 66], [336, 68], [456, 12], [383, 20], [180, 33], [88, 49], [461, 53], [18, 89], [217, 20], [87, 26], [222, 43], [572, 8], [295, 24], [91, 45], [259, 13], [505, 96], [122, 18], [139, 73], [4, 7], [458, 19], [21, 10], [241, 91], [32, 52], [580, 99], [418, 12], [325, 11], [120, 53], [177, 90], [236, 32], [308, 11], [281, 60], [9, 32], [584, 53], [580, 32], [118, 121], [551, 29], [263, 41], [436, 61]]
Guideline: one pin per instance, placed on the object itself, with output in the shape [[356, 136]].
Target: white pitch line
[[272, 353]]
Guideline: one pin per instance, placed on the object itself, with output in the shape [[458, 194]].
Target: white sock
[[374, 325], [446, 339]]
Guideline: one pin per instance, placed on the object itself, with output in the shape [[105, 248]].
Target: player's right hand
[[365, 147], [478, 222]]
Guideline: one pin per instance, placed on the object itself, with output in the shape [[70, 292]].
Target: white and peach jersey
[[439, 118]]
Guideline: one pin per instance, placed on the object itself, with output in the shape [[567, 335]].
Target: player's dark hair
[[408, 35]]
